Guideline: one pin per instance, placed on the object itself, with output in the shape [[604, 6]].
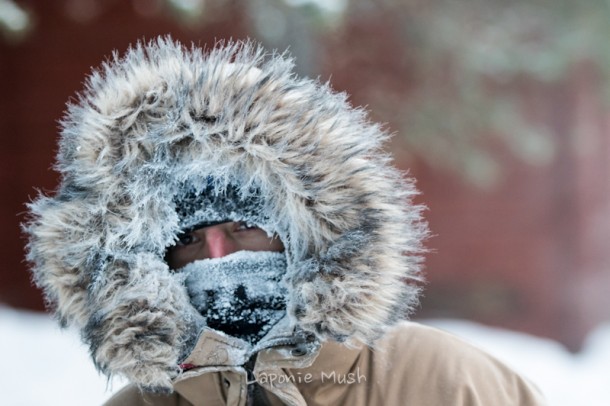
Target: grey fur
[[164, 117]]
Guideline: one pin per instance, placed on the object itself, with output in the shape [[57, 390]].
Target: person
[[227, 233]]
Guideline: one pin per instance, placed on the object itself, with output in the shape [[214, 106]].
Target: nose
[[218, 242]]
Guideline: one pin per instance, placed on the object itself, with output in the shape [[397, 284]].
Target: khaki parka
[[412, 365]]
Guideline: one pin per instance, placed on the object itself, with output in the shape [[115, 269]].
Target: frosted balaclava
[[240, 294]]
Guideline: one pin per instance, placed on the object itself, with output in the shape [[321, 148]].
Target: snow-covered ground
[[42, 365]]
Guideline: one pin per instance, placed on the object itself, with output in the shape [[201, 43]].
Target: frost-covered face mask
[[240, 294]]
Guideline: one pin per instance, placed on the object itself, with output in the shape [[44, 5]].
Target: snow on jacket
[[163, 119]]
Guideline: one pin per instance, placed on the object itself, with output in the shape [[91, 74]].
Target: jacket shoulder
[[450, 368], [130, 395]]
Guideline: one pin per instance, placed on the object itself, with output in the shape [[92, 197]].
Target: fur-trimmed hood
[[163, 118]]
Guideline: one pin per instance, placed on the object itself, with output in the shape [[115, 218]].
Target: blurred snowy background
[[42, 365]]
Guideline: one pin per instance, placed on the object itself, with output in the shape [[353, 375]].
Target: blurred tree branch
[[451, 77], [470, 66]]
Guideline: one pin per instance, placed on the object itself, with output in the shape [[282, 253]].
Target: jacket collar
[[283, 347], [214, 348], [217, 359]]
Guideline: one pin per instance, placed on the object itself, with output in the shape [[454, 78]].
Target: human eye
[[185, 239]]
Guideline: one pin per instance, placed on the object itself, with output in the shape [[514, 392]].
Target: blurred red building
[[528, 253]]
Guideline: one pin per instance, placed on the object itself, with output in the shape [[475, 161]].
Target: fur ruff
[[163, 118]]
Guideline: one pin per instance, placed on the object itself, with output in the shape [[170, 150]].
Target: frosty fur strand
[[164, 117]]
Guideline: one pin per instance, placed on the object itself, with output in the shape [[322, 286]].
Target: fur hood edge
[[163, 117]]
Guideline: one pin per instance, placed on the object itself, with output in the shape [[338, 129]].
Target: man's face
[[219, 240]]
